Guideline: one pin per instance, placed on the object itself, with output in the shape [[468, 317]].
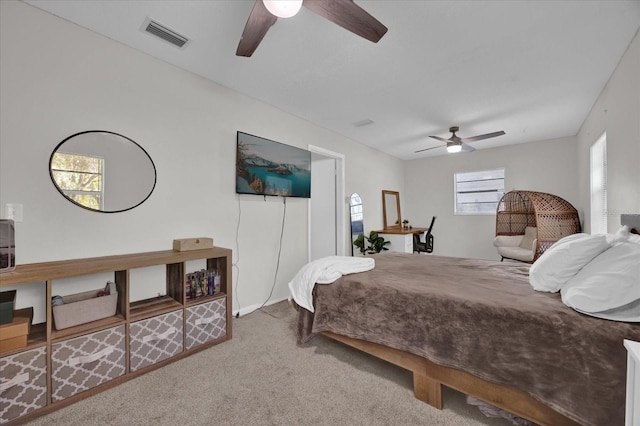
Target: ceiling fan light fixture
[[283, 8], [453, 148]]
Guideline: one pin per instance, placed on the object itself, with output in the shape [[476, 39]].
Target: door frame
[[340, 201]]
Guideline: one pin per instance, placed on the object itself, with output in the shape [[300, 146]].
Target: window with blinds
[[598, 174], [80, 177], [478, 193]]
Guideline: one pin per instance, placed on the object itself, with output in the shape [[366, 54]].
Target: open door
[[327, 205]]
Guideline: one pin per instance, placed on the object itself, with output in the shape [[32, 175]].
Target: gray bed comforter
[[482, 317]]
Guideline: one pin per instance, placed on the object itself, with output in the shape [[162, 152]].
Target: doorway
[[326, 229]]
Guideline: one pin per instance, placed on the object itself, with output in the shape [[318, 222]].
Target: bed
[[479, 327]]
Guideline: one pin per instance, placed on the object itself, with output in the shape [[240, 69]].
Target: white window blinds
[[478, 192], [599, 185]]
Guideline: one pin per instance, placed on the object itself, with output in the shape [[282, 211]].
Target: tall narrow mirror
[[356, 216], [391, 209]]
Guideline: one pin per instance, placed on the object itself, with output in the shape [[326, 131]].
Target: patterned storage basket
[[155, 339], [84, 362], [206, 322], [23, 386]]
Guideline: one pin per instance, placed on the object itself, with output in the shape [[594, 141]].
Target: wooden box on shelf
[[15, 334], [84, 307], [187, 244]]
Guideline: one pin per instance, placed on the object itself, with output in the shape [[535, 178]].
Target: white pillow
[[608, 283], [564, 259], [621, 235]]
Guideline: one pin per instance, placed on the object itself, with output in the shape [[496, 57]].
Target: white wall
[[57, 79], [617, 111], [547, 166], [559, 166]]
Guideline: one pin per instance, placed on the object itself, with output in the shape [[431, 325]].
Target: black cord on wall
[[237, 267], [275, 277]]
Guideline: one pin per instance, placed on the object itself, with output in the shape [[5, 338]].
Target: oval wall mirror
[[102, 171], [356, 216]]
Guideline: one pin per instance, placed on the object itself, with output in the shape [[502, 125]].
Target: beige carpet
[[261, 377]]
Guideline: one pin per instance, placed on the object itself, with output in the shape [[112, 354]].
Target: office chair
[[427, 245]]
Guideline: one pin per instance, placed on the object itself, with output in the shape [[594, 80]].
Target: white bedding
[[598, 275], [564, 259], [324, 271], [608, 286]]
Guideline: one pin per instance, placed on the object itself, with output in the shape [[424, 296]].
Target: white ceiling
[[531, 68]]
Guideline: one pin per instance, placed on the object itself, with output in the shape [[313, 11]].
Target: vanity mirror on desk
[[400, 238]]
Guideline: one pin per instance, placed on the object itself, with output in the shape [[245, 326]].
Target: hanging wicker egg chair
[[552, 217]]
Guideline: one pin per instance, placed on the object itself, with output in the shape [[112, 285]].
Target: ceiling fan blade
[[481, 137], [467, 148], [427, 149], [440, 139], [259, 22], [349, 16]]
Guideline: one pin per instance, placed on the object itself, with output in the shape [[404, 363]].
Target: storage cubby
[[34, 290], [124, 344], [163, 301], [69, 288]]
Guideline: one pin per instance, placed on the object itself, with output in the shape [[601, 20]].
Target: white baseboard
[[247, 310]]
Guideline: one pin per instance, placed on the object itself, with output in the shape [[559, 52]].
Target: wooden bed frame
[[429, 377]]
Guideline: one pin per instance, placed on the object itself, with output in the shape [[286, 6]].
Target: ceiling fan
[[457, 144], [345, 13]]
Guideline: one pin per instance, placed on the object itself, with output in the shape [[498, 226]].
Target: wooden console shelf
[[117, 348]]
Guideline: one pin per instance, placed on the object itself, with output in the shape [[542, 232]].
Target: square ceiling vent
[[167, 34]]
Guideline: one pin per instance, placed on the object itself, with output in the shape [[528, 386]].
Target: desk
[[401, 240]]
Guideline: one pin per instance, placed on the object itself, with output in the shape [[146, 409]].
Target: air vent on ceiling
[[164, 33]]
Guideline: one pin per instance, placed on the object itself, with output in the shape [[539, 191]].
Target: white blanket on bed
[[324, 271]]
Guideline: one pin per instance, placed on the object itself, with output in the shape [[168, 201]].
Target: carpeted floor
[[261, 377]]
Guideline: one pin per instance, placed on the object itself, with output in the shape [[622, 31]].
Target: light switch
[[14, 212]]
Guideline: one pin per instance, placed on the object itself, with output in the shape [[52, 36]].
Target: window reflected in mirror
[[356, 217], [80, 178]]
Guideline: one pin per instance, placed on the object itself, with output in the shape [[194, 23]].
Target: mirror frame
[[61, 191], [351, 221], [396, 194]]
